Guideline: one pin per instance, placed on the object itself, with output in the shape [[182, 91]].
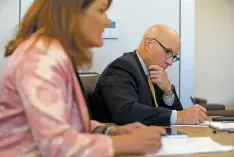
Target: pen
[[223, 131], [193, 100]]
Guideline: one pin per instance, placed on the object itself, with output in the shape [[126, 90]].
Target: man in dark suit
[[135, 87]]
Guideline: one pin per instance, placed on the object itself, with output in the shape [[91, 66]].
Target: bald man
[[135, 87]]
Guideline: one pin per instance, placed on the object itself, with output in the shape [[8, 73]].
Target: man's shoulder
[[124, 66], [127, 61]]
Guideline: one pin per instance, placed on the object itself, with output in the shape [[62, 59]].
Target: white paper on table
[[193, 145], [222, 125]]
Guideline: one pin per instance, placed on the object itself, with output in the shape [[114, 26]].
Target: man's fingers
[[155, 72], [138, 125], [203, 115], [201, 108], [201, 120], [155, 67], [155, 76], [155, 80]]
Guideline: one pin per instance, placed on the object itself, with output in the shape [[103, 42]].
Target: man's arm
[[119, 92], [177, 104], [168, 103], [172, 102], [163, 87]]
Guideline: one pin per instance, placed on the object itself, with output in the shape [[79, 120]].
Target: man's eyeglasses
[[169, 53]]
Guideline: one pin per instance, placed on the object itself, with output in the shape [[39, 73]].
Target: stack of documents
[[171, 146], [221, 125]]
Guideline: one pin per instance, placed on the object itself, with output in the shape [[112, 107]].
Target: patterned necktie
[[152, 90]]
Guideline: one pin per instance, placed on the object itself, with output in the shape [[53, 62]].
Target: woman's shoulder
[[52, 50], [48, 52], [40, 55]]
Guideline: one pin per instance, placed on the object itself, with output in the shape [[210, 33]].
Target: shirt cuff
[[169, 102], [173, 117]]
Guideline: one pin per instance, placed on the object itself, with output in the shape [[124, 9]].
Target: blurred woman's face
[[93, 21]]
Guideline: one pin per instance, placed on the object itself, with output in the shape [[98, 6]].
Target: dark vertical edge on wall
[[180, 49]]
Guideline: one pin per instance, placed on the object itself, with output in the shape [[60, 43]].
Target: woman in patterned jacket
[[43, 112]]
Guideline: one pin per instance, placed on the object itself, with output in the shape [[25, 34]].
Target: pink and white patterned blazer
[[42, 108]]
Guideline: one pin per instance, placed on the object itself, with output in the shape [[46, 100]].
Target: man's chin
[[164, 67]]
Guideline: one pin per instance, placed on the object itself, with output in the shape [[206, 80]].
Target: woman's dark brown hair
[[55, 19]]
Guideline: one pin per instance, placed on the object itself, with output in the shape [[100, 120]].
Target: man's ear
[[147, 44], [150, 45]]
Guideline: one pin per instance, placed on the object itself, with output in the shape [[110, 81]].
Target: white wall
[[24, 6], [9, 19], [214, 75], [187, 52]]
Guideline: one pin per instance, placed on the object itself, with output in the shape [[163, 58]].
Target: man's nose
[[170, 61]]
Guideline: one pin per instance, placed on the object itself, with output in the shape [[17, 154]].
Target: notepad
[[190, 146], [216, 125], [221, 125], [205, 124]]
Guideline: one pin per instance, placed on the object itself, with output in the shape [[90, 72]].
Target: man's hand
[[126, 129], [159, 76], [193, 115]]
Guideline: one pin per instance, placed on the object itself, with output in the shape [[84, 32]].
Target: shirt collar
[[145, 68]]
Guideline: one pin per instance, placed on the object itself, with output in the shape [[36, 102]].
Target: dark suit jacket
[[122, 95]]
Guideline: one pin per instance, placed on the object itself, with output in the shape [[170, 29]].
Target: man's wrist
[[179, 119], [167, 96], [168, 89], [169, 92]]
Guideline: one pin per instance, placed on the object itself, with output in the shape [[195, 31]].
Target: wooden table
[[226, 139]]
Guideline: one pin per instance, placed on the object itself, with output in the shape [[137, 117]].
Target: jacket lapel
[[81, 104], [79, 97]]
